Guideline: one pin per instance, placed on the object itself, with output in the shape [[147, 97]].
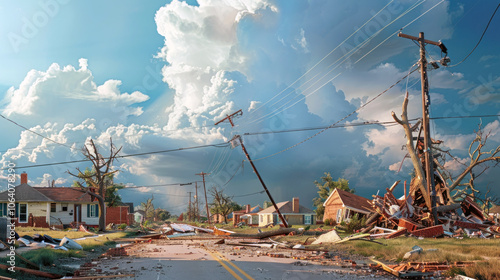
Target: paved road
[[185, 261]]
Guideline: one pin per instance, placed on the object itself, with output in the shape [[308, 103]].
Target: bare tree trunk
[[420, 178]]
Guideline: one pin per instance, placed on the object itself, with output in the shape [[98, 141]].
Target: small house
[[49, 207], [342, 205], [292, 211]]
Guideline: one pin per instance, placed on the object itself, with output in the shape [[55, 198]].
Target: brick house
[[341, 206], [292, 211]]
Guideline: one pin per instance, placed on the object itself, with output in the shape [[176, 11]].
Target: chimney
[[247, 210], [24, 178], [295, 205]]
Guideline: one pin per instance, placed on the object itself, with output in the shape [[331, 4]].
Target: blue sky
[[157, 76]]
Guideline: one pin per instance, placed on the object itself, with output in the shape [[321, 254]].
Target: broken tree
[[97, 179]]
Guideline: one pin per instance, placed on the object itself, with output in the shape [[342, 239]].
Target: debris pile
[[409, 215]]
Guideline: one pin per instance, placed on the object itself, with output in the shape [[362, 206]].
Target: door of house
[[78, 213]]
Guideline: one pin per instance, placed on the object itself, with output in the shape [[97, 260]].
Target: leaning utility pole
[[189, 207], [426, 100], [228, 117], [202, 174]]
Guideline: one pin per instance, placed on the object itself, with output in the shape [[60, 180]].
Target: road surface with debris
[[203, 259]]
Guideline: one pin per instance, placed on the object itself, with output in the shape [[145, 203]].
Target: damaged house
[[342, 206]]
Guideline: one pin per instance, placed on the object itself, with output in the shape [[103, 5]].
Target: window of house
[[23, 212], [3, 209], [92, 210], [64, 207], [52, 207], [307, 219], [261, 217], [339, 215]]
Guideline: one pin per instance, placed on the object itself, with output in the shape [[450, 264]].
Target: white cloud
[[201, 46], [253, 105], [69, 95]]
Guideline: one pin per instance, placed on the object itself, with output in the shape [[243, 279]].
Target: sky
[[156, 76]]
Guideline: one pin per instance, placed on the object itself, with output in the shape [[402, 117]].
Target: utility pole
[[196, 199], [189, 207], [228, 117], [429, 168], [202, 174]]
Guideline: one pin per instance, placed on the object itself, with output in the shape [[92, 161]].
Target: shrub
[[122, 226], [355, 223]]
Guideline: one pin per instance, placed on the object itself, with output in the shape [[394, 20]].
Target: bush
[[355, 224], [330, 222], [122, 226]]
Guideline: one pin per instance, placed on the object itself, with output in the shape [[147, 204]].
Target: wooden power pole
[[202, 174], [190, 208], [228, 117], [196, 200], [429, 168]]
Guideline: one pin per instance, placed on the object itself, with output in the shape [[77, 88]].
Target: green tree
[[326, 187], [149, 208], [162, 214]]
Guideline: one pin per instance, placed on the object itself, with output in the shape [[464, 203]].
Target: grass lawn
[[47, 257], [486, 252]]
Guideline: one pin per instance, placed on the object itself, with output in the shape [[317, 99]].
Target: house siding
[[294, 219], [89, 220], [61, 217]]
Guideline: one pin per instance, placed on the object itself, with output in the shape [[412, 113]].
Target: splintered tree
[[96, 180], [479, 161], [326, 187]]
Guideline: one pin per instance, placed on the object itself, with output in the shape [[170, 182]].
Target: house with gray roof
[[292, 211], [48, 207]]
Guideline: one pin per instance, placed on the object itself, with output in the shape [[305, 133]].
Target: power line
[[485, 29], [124, 156], [386, 123], [348, 54], [248, 194], [34, 132], [321, 60], [337, 122]]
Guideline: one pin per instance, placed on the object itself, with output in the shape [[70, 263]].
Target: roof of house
[[25, 193], [350, 200], [256, 209], [285, 207], [62, 194], [141, 212], [495, 209]]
